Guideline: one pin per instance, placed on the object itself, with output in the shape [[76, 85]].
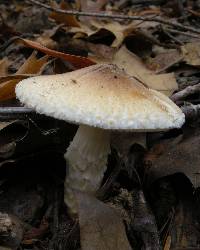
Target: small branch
[[19, 113], [173, 31], [191, 111], [172, 37], [190, 90], [15, 110], [125, 17]]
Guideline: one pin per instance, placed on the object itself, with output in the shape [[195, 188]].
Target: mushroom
[[100, 98]]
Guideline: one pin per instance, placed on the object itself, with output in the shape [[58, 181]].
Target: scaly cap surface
[[102, 96]]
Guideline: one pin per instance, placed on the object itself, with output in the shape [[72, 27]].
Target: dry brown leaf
[[88, 5], [101, 50], [120, 31], [4, 64], [68, 20], [165, 83], [4, 79], [101, 227], [191, 53], [179, 155], [123, 142], [167, 245], [165, 60], [31, 66], [47, 42], [5, 124], [76, 61]]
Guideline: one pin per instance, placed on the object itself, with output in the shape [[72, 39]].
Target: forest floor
[[149, 198]]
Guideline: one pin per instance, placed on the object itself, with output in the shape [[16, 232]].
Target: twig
[[182, 33], [15, 110], [125, 17], [172, 37], [191, 111], [147, 2], [186, 92], [18, 113]]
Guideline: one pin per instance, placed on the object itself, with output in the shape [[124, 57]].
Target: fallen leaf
[[3, 79], [69, 20], [101, 50], [179, 155], [4, 64], [167, 245], [101, 227], [165, 83], [32, 66], [47, 42], [165, 60], [120, 31], [5, 124], [191, 53], [88, 5], [76, 61], [123, 142], [91, 6]]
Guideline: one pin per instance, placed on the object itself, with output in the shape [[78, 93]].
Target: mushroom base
[[86, 158]]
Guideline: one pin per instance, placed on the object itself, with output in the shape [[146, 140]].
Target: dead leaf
[[101, 227], [47, 42], [167, 245], [68, 20], [191, 53], [165, 60], [120, 31], [76, 61], [5, 124], [179, 155], [4, 79], [165, 83], [101, 50], [88, 5], [123, 142], [32, 66], [4, 64], [91, 6]]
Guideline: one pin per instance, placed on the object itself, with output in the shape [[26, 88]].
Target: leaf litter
[[150, 212]]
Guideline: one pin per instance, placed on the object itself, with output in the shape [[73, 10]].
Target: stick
[[182, 33], [191, 111], [185, 92], [12, 113], [15, 110], [125, 17], [19, 113]]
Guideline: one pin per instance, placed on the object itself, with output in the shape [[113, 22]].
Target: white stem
[[86, 158]]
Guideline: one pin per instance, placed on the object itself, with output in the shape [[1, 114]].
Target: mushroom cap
[[102, 96]]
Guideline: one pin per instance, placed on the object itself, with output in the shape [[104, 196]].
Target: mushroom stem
[[86, 158]]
